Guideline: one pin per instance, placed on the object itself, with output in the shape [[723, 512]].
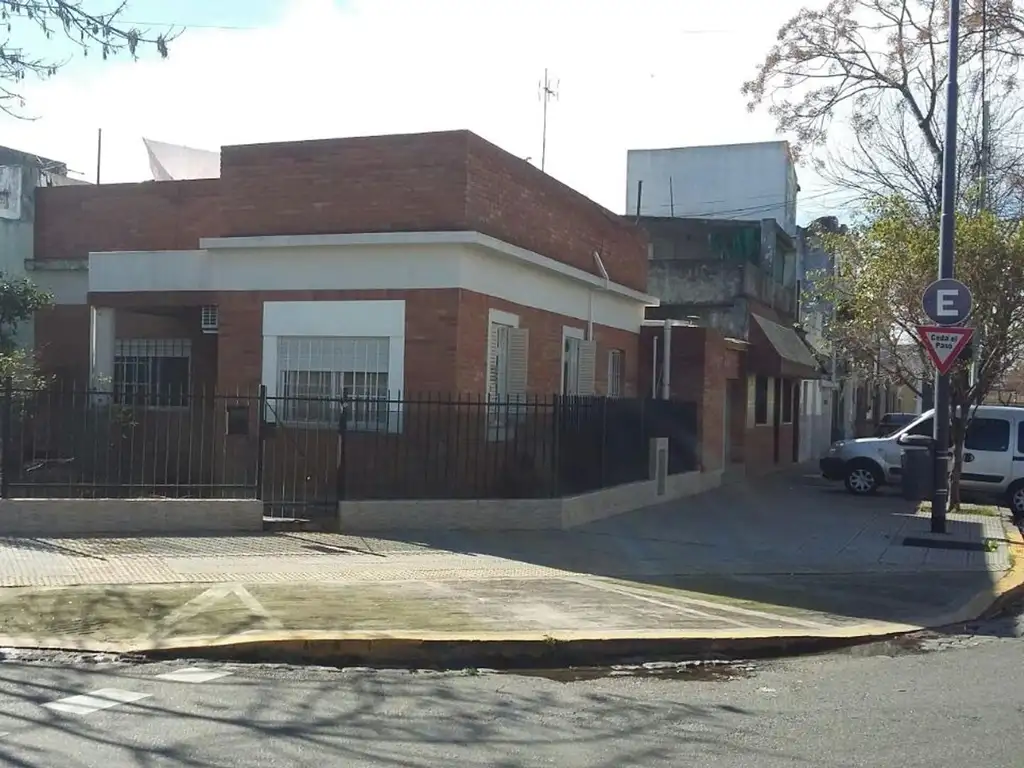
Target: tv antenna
[[547, 90]]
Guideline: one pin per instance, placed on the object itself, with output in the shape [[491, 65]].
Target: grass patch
[[984, 510]]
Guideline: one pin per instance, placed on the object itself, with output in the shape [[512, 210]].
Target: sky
[[630, 75]]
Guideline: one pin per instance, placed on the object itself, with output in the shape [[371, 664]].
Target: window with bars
[[152, 373], [316, 375], [616, 372]]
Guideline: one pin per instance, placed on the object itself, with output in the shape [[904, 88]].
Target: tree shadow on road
[[352, 717]]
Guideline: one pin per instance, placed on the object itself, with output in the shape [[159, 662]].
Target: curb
[[1011, 586], [546, 653]]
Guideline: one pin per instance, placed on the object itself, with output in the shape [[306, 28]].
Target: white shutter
[[518, 358], [587, 365]]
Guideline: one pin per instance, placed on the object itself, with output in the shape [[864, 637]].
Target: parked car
[[893, 422], [993, 456]]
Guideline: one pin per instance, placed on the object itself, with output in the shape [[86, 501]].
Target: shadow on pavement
[[411, 720], [780, 541]]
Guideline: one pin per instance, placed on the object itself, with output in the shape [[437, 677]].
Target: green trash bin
[[917, 462]]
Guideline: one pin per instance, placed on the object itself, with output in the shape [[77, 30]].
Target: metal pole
[[940, 497], [544, 134], [666, 362]]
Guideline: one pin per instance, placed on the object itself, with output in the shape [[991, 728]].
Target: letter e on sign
[[947, 302]]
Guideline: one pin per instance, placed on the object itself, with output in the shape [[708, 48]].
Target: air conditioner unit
[[210, 319]]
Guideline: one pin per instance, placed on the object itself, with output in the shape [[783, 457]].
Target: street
[[930, 700]]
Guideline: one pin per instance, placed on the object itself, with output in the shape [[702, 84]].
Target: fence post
[[339, 475], [556, 448], [261, 422], [5, 440], [604, 442]]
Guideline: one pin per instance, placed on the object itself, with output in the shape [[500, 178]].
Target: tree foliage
[[78, 21], [879, 67], [883, 268], [20, 299]]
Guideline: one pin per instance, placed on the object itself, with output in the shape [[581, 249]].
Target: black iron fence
[[308, 452]]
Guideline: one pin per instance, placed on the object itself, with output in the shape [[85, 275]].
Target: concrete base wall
[[127, 517], [519, 514]]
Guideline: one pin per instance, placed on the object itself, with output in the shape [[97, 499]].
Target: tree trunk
[[957, 433]]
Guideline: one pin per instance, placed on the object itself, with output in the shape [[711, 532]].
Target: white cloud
[[631, 75]]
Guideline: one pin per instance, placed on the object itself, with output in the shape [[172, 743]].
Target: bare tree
[[80, 22], [880, 66]]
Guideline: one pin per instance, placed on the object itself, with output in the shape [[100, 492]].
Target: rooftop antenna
[[547, 90]]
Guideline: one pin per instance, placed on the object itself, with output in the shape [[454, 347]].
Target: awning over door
[[776, 350]]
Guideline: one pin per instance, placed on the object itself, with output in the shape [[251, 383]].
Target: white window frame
[[769, 400], [791, 386], [358, 409], [152, 349], [499, 318], [616, 373], [569, 332], [337, 319]]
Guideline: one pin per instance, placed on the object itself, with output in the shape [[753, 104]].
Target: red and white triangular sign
[[944, 344]]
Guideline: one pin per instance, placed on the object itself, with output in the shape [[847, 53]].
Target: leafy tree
[[20, 299], [80, 22], [883, 267], [879, 67]]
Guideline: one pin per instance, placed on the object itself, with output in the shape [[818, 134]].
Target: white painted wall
[[733, 181], [543, 284], [333, 319], [68, 286]]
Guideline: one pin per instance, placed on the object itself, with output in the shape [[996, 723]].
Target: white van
[[993, 456]]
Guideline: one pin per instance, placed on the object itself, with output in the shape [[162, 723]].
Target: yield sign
[[944, 344]]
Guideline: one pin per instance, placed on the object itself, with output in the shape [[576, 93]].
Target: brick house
[[415, 263], [377, 269]]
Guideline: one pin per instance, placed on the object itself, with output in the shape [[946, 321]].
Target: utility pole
[[99, 153], [986, 117], [940, 497], [547, 92]]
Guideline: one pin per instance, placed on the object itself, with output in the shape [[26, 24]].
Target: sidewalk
[[783, 561]]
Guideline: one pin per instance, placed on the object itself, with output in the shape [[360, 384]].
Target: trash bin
[[917, 460]]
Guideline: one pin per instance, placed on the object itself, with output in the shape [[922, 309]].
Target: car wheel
[[862, 478], [1015, 500]]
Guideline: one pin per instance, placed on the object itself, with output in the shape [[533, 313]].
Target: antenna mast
[[547, 90]]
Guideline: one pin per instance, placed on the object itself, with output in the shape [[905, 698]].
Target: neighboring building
[[820, 407], [426, 263], [732, 181], [738, 278], [20, 174]]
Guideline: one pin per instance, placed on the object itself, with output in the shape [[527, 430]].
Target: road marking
[[104, 698], [192, 675], [663, 603], [726, 608]]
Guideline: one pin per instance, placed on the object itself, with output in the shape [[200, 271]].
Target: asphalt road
[[938, 700]]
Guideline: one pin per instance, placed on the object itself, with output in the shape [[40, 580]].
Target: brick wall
[[447, 181], [399, 183], [513, 201], [151, 216], [702, 362], [545, 360]]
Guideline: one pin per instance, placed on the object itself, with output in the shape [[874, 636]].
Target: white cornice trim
[[477, 239]]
